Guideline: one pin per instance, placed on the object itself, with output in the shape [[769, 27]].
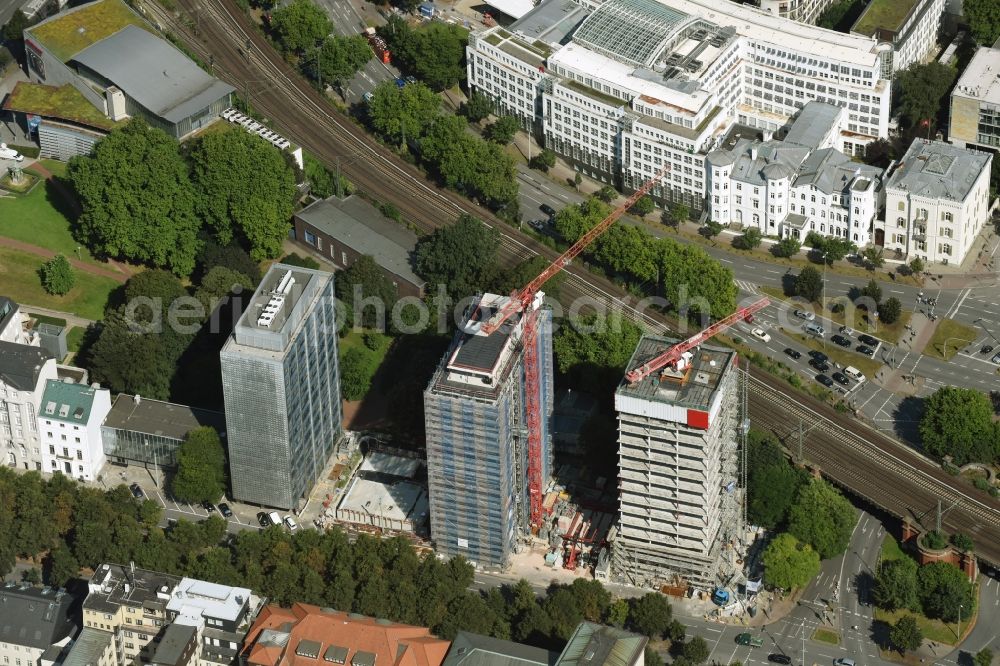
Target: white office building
[[908, 29], [623, 89], [70, 419], [800, 184], [936, 202], [974, 120], [806, 11]]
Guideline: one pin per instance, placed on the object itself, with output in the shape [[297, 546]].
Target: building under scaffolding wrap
[[680, 501], [477, 435]]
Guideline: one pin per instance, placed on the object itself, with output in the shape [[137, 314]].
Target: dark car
[[410, 80], [821, 366], [819, 356], [841, 379], [866, 350], [548, 210], [779, 658], [262, 519], [868, 340], [841, 341], [793, 353], [225, 510], [208, 506], [137, 491], [400, 83], [827, 382], [987, 349]]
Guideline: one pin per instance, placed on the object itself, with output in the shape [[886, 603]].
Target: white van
[[10, 154], [274, 518], [854, 374]]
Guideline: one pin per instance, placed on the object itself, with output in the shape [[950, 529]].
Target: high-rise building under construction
[[679, 499], [476, 427]]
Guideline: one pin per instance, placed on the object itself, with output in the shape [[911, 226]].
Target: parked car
[[291, 524], [793, 353], [263, 519], [987, 349], [866, 350], [746, 638], [996, 359], [847, 330], [841, 341], [10, 154], [368, 97], [841, 379], [843, 662], [814, 329], [548, 210], [854, 374], [208, 506], [779, 658], [869, 340], [818, 355], [137, 491], [805, 314], [819, 365], [225, 510], [273, 518], [760, 335], [827, 382]]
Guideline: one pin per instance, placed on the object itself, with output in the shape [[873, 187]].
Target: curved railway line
[[859, 459]]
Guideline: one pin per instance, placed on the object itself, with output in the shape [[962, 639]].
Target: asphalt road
[[347, 22], [7, 9]]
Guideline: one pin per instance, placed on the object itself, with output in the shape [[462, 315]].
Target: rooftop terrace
[[62, 103], [69, 32], [883, 14]]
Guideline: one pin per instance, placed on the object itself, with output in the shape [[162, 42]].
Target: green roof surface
[[67, 402], [67, 33], [62, 103], [885, 14]]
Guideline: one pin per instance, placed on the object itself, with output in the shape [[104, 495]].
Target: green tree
[[435, 52], [679, 213], [617, 614], [402, 115], [905, 634], [355, 374], [502, 130], [896, 585], [564, 612], [460, 256], [890, 311], [983, 658], [544, 160], [958, 422], [984, 20], [136, 198], [712, 229], [32, 576], [809, 284], [945, 591], [652, 657], [366, 280], [789, 563], [786, 247], [524, 272], [607, 194], [917, 265], [61, 566], [296, 259], [750, 239], [245, 190], [650, 614], [963, 542], [201, 467], [218, 284], [13, 30], [772, 482], [337, 59], [643, 206], [593, 351], [823, 518], [921, 87], [300, 25], [873, 257], [696, 650], [129, 362], [231, 256], [322, 182], [477, 107], [57, 275], [873, 291]]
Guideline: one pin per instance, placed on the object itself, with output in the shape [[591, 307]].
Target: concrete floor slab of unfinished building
[[398, 505], [386, 463]]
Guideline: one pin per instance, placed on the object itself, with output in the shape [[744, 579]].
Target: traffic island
[[826, 636]]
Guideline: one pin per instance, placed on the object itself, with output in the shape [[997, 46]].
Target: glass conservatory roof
[[631, 31]]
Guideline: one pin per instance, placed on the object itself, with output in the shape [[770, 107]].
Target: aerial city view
[[499, 332]]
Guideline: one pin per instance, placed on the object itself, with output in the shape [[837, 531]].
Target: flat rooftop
[[550, 22], [395, 500], [883, 15], [71, 31], [59, 103], [938, 170], [981, 78], [693, 388], [481, 353], [165, 419], [113, 585]]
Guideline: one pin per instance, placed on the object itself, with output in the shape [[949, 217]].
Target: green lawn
[[933, 630], [826, 636], [951, 333], [891, 549], [19, 277], [888, 14], [74, 338], [39, 219]]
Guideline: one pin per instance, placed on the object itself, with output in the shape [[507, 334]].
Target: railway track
[[865, 462]]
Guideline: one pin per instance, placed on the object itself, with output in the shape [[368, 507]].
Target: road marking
[[725, 261], [958, 304]]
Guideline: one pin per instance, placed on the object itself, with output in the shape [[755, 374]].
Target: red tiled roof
[[392, 644]]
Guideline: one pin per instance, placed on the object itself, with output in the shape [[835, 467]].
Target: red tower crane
[[674, 353], [521, 302]]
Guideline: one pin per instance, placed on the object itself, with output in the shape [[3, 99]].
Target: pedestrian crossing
[[748, 287]]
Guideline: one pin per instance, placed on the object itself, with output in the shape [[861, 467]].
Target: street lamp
[[960, 607], [156, 465]]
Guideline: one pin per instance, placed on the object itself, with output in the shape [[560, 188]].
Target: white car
[[805, 314], [291, 524], [760, 335], [10, 154]]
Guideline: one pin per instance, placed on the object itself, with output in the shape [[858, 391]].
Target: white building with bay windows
[[622, 89], [936, 202]]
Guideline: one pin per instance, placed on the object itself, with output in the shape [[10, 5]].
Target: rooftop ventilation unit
[[64, 410], [694, 65], [276, 300]]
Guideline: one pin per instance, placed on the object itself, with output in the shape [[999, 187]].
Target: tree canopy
[[945, 591], [201, 467], [896, 585], [958, 422], [460, 256], [905, 634], [593, 351], [502, 130], [921, 87], [809, 284], [772, 482], [823, 518], [402, 114], [57, 275], [789, 563], [245, 190], [984, 20], [434, 52], [136, 198], [337, 59], [786, 247], [300, 25], [366, 280]]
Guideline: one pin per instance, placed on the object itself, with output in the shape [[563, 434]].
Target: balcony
[[920, 233]]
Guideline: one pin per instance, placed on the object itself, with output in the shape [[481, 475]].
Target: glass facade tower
[[282, 388]]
